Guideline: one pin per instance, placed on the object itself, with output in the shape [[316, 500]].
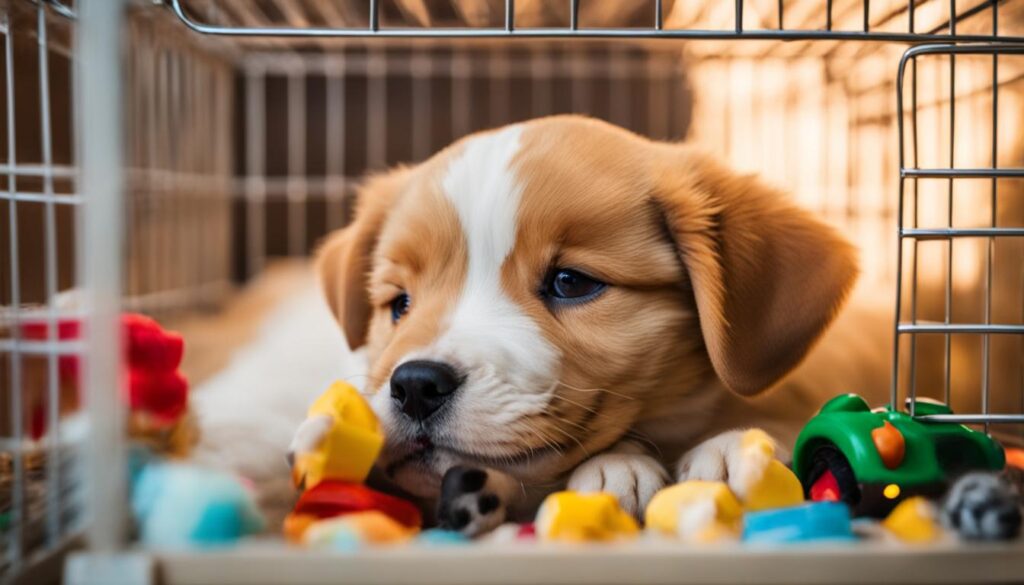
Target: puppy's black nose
[[421, 387]]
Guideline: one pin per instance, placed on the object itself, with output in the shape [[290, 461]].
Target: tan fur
[[343, 262], [584, 207], [421, 252], [715, 282], [767, 277]]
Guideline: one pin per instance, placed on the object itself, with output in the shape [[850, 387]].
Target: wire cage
[[989, 311], [157, 156]]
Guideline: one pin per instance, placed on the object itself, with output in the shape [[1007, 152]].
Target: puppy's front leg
[[625, 470], [475, 501], [738, 458]]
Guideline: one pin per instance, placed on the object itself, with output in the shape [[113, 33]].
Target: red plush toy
[[157, 392], [329, 499], [155, 386]]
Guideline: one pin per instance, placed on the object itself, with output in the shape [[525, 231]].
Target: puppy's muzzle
[[419, 388]]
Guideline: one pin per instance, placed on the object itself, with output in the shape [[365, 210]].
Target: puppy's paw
[[633, 478], [981, 506], [738, 458], [473, 501]]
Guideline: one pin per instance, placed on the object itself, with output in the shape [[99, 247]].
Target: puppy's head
[[529, 294]]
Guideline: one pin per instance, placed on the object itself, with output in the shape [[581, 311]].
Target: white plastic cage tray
[[641, 562]]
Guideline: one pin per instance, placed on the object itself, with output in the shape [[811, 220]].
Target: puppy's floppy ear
[[767, 276], [343, 261]]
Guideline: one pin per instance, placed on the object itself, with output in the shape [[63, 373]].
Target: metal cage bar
[[994, 203], [574, 30], [255, 157], [334, 148], [53, 491], [297, 192], [101, 237], [13, 550]]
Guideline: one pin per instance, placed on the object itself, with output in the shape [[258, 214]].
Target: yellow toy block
[[696, 511], [575, 517], [766, 482], [350, 447], [778, 488], [913, 520]]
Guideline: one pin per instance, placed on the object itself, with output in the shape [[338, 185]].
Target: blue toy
[[813, 521], [178, 505], [437, 537]]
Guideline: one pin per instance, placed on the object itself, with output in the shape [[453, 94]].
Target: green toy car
[[872, 459]]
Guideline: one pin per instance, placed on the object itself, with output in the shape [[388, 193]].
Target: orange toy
[[1015, 458]]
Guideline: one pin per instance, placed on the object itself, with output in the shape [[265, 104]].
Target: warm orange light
[[890, 444]]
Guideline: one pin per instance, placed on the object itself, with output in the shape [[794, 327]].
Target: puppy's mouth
[[421, 450], [424, 449]]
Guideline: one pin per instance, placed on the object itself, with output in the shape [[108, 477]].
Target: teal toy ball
[[437, 537], [178, 505]]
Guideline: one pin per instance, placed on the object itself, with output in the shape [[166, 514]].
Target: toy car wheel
[[831, 478]]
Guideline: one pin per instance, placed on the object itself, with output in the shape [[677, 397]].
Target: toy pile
[[820, 499], [335, 507], [174, 504], [156, 397], [857, 474]]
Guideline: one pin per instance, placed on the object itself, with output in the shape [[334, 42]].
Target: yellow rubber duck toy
[[351, 439]]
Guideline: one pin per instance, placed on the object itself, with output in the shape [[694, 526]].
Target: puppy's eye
[[399, 306], [567, 284]]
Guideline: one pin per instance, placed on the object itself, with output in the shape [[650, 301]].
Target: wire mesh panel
[[179, 94], [960, 301], [315, 124], [39, 505]]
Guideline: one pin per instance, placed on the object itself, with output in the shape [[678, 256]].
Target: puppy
[[561, 303]]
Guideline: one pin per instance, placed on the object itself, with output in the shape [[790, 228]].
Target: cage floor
[[639, 563]]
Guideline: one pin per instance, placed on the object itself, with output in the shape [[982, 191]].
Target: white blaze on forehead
[[485, 193], [501, 350]]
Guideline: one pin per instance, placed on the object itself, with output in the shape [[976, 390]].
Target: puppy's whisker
[[581, 405], [549, 442], [572, 423], [571, 436], [530, 428], [578, 389], [351, 376]]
